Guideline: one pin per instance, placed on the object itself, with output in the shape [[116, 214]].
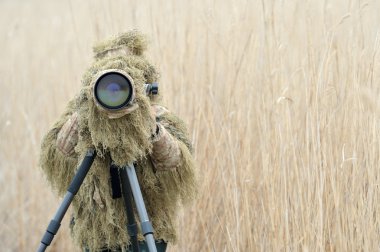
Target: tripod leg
[[127, 196], [146, 225], [55, 223]]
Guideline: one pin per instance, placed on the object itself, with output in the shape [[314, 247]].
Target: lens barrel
[[113, 90]]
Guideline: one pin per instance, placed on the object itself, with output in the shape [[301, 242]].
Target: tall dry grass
[[281, 98]]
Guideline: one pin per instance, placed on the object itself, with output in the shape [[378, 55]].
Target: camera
[[114, 90]]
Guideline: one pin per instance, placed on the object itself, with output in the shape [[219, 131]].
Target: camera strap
[[115, 182]]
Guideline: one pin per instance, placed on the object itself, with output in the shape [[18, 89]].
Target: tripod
[[129, 183]]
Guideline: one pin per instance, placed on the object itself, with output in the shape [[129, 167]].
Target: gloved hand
[[166, 154], [67, 137]]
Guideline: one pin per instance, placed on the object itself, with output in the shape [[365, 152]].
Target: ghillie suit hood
[[98, 220], [125, 138]]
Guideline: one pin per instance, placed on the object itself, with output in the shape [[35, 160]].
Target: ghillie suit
[[164, 165]]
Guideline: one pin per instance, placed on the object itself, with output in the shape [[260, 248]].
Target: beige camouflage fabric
[[119, 113]]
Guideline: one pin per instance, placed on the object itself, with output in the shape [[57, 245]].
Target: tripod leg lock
[[146, 228], [52, 229]]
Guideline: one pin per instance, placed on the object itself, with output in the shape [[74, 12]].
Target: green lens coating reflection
[[113, 90]]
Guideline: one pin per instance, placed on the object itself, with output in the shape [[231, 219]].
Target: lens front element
[[113, 90]]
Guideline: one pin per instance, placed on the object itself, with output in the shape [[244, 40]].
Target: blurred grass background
[[281, 99]]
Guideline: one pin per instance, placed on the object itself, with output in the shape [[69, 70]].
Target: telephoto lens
[[114, 90]]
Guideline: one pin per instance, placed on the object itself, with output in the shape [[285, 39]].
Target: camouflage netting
[[134, 42], [99, 220]]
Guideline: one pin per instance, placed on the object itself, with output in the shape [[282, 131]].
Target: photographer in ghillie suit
[[144, 132]]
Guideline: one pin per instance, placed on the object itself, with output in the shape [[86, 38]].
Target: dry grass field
[[281, 99]]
